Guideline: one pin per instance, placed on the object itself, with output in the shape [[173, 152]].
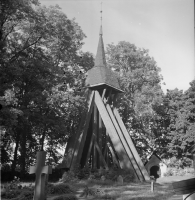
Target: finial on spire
[[101, 33], [101, 13]]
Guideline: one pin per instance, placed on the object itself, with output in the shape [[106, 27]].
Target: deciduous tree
[[140, 80]]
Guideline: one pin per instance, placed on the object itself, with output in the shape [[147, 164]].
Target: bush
[[180, 163], [11, 194], [179, 171], [68, 177], [169, 172], [190, 171], [15, 184], [7, 174], [87, 173], [18, 195], [128, 175], [26, 195], [60, 188], [81, 173]]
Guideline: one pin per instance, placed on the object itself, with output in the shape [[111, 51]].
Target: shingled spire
[[101, 76], [100, 60]]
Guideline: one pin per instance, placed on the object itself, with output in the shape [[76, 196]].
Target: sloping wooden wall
[[103, 135]]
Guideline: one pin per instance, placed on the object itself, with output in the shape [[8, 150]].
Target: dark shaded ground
[[171, 179]]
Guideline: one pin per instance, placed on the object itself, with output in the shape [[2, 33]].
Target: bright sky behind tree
[[164, 27]]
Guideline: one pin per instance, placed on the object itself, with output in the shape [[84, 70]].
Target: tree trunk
[[16, 152], [23, 153], [42, 140]]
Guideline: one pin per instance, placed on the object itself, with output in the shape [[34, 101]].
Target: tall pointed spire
[[100, 60], [100, 75]]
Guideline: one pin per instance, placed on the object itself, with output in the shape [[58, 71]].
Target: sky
[[164, 27]]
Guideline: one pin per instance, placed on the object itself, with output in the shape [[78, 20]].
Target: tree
[[181, 129], [140, 80], [12, 15], [41, 45]]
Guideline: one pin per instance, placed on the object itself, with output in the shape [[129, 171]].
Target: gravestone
[[103, 178], [41, 171], [120, 179]]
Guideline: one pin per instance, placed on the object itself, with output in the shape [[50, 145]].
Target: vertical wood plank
[[105, 148], [114, 151], [100, 137], [124, 143], [115, 160], [92, 155], [101, 123], [114, 99], [100, 153], [103, 93], [125, 162], [109, 99], [80, 141], [105, 152], [131, 145], [95, 138], [90, 149], [72, 142], [87, 143]]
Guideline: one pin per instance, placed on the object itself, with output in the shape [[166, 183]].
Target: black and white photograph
[[97, 99]]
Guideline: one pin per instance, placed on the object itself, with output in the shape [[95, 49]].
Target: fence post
[[152, 178]]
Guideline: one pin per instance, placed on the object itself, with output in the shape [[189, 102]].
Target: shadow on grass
[[140, 192]]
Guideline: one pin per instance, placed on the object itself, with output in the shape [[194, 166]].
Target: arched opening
[[154, 171]]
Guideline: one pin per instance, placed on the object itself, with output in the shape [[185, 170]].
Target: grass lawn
[[97, 189], [127, 191]]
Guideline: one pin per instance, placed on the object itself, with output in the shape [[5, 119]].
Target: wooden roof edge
[[154, 153], [99, 84]]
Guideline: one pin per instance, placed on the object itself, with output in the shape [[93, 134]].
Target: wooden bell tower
[[102, 139]]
